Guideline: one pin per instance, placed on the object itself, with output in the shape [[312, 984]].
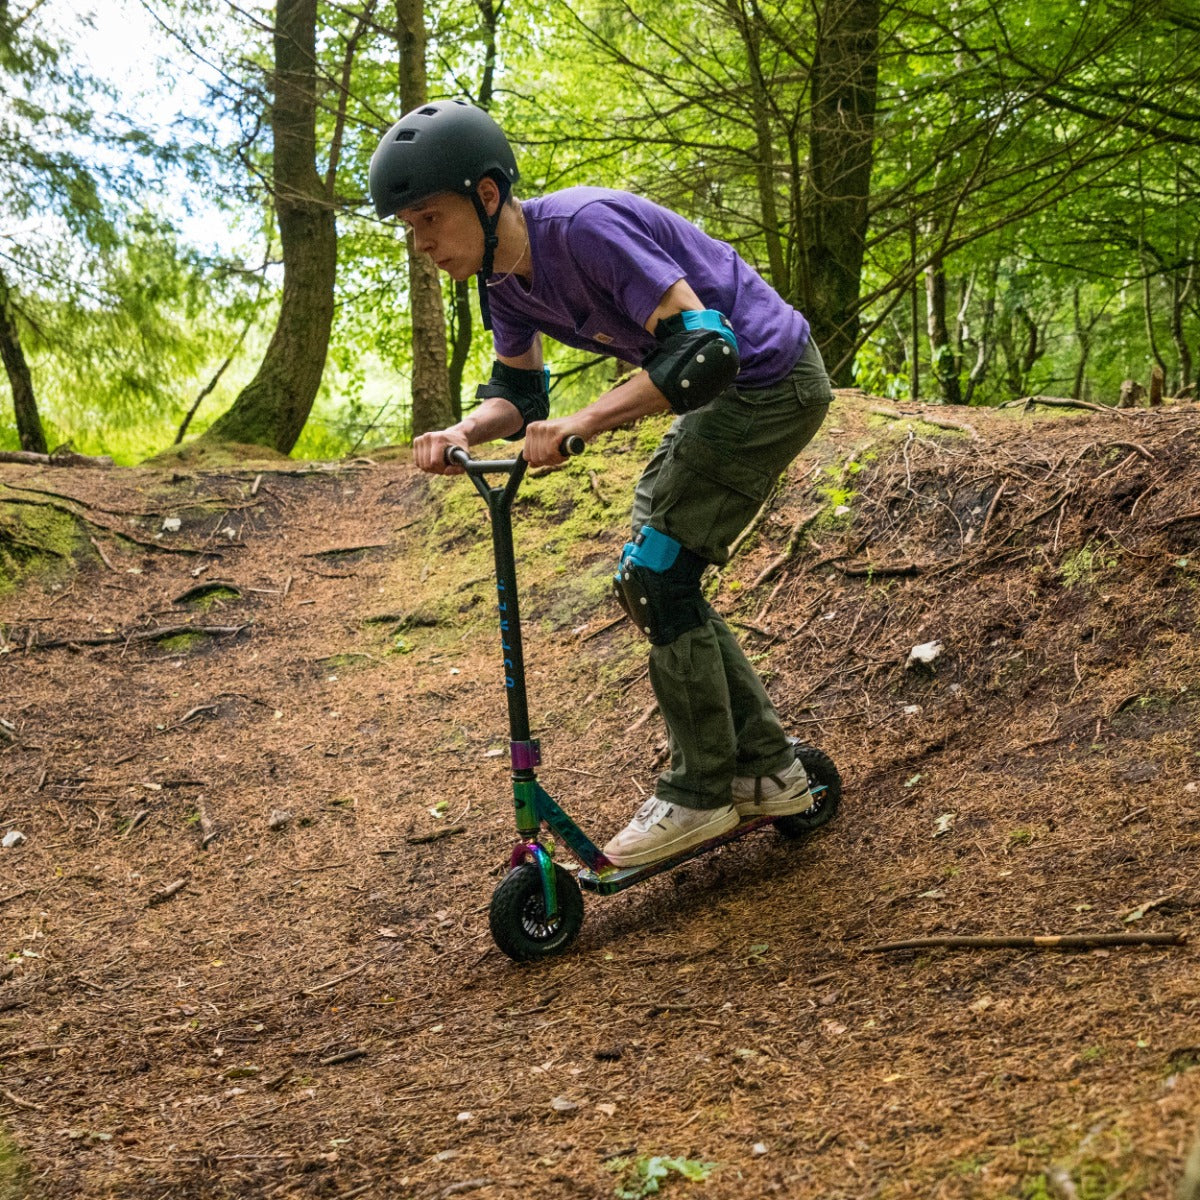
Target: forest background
[[972, 202]]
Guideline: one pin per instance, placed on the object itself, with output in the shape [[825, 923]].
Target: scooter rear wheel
[[822, 771], [518, 918]]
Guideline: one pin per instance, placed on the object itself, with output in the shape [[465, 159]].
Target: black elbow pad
[[697, 358], [527, 391]]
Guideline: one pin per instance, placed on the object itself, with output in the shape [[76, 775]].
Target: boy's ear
[[489, 192]]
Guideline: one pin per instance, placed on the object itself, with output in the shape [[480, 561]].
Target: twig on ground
[[587, 637], [647, 713], [344, 1057], [422, 839], [320, 987], [208, 830], [139, 819], [13, 1099], [987, 520], [103, 557], [172, 889]]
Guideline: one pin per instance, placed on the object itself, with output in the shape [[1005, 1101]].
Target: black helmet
[[447, 146]]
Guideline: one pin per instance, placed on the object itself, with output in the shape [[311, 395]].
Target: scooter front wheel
[[518, 920], [825, 779]]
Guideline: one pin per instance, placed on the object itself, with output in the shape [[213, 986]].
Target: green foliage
[[1080, 567], [1036, 160], [14, 1176], [644, 1176]]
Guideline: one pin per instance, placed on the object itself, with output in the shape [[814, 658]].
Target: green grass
[[14, 1176]]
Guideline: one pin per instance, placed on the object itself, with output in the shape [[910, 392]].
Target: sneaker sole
[[777, 806], [685, 841]]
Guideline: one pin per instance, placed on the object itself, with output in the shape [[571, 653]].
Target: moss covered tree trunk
[[273, 407], [29, 423], [844, 92]]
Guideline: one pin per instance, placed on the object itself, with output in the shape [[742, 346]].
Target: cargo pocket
[[704, 497]]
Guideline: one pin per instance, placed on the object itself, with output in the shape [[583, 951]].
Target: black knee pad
[[658, 584]]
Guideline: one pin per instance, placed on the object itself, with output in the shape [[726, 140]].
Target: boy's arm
[[493, 418], [637, 397]]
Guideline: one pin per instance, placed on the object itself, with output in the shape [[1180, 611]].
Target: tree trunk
[[1180, 294], [749, 27], [844, 92], [941, 352], [983, 343], [29, 423], [274, 406], [431, 406]]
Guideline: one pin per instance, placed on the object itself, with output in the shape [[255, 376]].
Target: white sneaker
[[660, 829], [772, 795]]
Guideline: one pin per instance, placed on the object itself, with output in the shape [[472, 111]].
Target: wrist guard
[[697, 358], [527, 391]]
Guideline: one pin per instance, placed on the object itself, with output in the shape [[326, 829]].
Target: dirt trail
[[317, 1009]]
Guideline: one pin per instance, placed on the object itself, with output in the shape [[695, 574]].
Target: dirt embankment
[[253, 735]]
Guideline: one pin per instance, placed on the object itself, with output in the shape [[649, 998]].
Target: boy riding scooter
[[611, 273]]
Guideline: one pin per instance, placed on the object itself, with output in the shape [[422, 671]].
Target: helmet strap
[[491, 240]]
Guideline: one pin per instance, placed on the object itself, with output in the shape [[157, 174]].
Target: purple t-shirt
[[602, 261]]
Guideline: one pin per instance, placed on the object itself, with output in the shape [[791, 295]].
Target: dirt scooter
[[537, 909]]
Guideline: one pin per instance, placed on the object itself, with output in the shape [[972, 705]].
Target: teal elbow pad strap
[[527, 391], [696, 360]]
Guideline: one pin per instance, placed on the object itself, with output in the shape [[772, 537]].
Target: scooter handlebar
[[570, 446]]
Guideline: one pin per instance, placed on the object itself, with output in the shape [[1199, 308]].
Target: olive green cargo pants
[[703, 486]]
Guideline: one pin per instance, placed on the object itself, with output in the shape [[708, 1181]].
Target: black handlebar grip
[[571, 445]]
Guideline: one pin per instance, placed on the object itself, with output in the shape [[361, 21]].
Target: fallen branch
[[1057, 402], [138, 635], [335, 550], [1064, 941], [200, 590], [875, 570], [56, 458], [789, 551]]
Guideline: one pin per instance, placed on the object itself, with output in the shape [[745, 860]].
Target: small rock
[[14, 837], [280, 818], [911, 710], [172, 524], [562, 1105], [759, 1148], [925, 655], [1139, 772]]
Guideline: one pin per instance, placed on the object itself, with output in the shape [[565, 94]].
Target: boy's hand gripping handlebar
[[571, 445]]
